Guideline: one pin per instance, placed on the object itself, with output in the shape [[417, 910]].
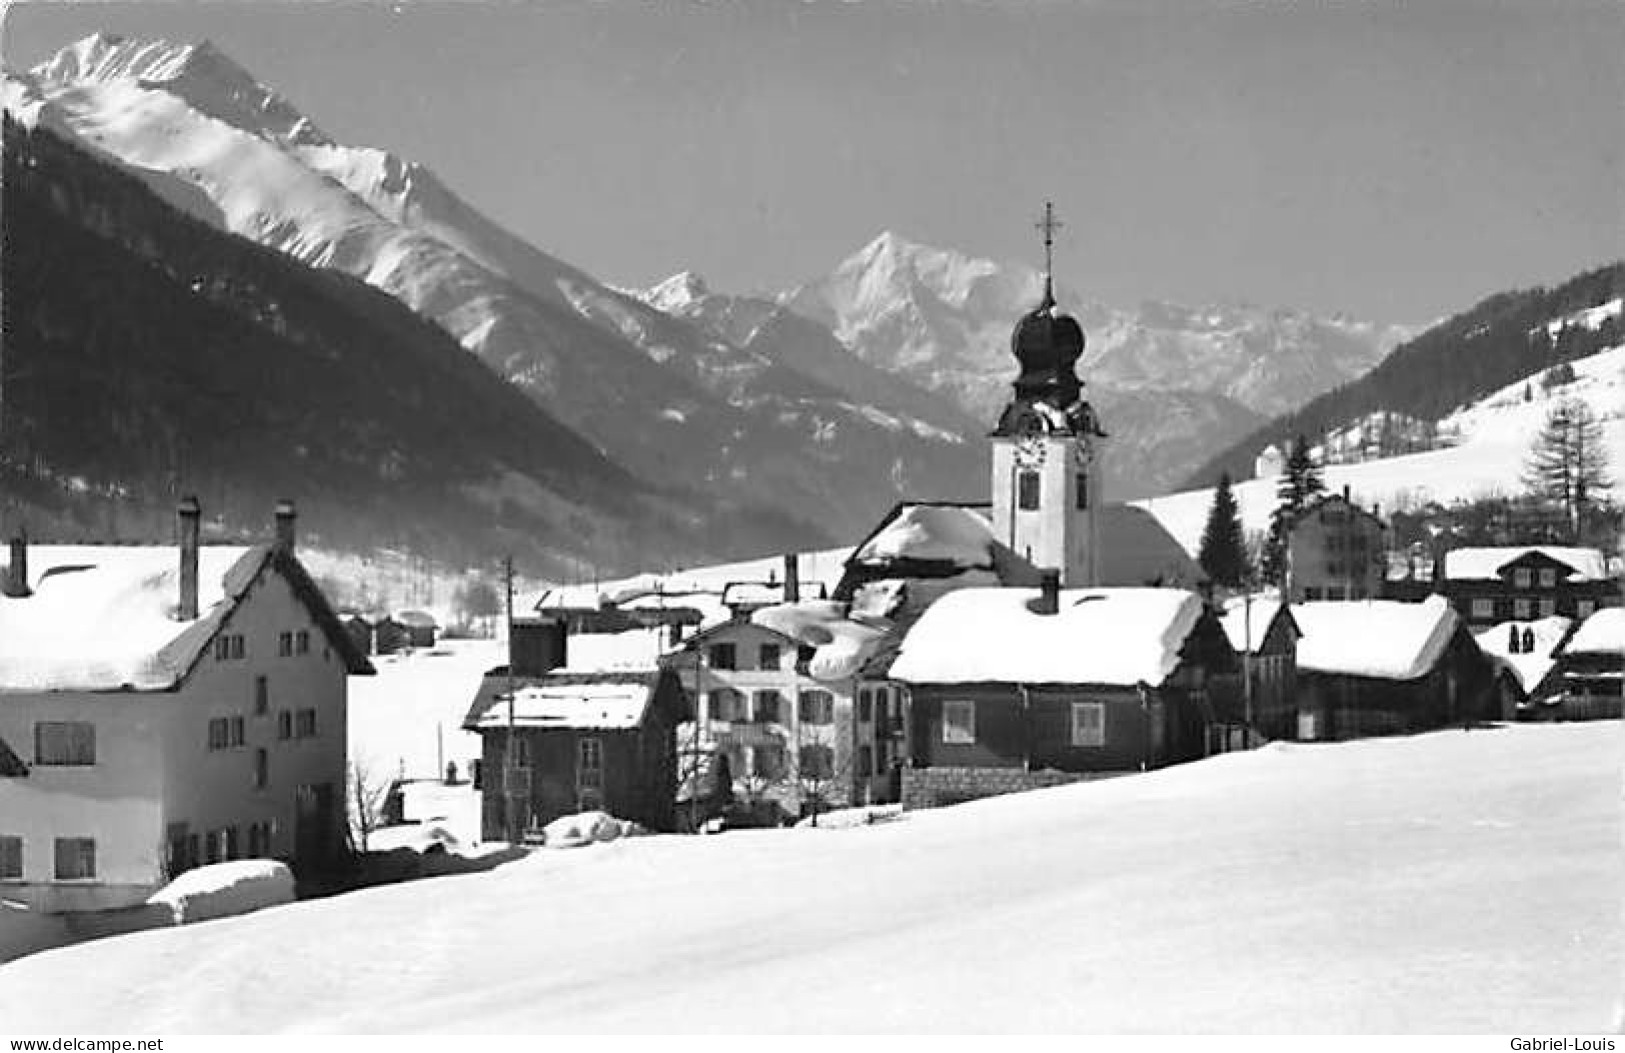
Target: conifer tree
[[1300, 482], [1224, 550], [1568, 463]]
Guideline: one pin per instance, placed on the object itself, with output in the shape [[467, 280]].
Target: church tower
[[1047, 445]]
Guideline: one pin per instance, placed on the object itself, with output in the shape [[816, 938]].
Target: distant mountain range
[[806, 412]]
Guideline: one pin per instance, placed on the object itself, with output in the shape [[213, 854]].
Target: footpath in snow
[[1450, 882]]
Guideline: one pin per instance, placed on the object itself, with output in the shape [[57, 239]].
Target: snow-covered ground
[[408, 719], [1450, 882], [1495, 435]]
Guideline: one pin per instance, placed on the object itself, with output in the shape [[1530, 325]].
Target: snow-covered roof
[[1484, 564], [103, 616], [843, 644], [417, 619], [1098, 636], [611, 704], [1531, 666], [1603, 632], [635, 650], [1385, 639], [1238, 613], [955, 534]]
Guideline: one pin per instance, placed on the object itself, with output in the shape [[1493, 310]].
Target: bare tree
[[367, 794]]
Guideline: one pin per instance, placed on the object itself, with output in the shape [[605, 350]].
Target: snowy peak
[[199, 73], [681, 290]]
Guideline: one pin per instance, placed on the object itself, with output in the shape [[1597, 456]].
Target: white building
[[171, 706]]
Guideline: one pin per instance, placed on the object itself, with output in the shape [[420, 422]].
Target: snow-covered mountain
[[663, 397], [944, 318], [1489, 442]]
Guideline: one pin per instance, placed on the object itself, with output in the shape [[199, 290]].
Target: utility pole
[[510, 795]]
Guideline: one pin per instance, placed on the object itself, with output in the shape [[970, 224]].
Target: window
[[865, 762], [959, 722], [304, 726], [1584, 608], [234, 843], [767, 656], [1548, 607], [256, 841], [767, 707], [866, 706], [817, 707], [262, 768], [11, 858], [212, 843], [1522, 609], [301, 642], [1548, 578], [284, 644], [1088, 723], [64, 742], [817, 762], [237, 734], [222, 648], [284, 724], [726, 703], [1082, 490], [767, 762], [721, 656], [1521, 578], [75, 858], [219, 733], [237, 646], [804, 656], [589, 764], [262, 696], [1027, 491], [1483, 608]]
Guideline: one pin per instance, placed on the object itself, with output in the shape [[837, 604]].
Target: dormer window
[[1027, 491]]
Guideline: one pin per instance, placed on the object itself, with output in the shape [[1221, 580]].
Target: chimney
[[15, 584], [286, 519], [792, 578], [1049, 593], [189, 514]]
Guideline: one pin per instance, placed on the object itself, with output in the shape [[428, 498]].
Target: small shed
[[1263, 632], [420, 627], [1592, 667], [390, 636], [359, 630]]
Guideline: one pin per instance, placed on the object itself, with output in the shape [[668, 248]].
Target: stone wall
[[933, 787]]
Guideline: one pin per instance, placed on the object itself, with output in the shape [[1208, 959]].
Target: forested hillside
[[1505, 337]]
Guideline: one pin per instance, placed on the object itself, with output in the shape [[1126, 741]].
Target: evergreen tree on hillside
[[1568, 463], [1224, 550], [1300, 482]]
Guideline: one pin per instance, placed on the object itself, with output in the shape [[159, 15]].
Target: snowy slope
[[1451, 882], [1493, 437]]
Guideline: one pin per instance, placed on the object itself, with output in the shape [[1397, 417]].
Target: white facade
[[166, 788], [1051, 519]]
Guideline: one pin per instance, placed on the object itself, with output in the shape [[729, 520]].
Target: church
[[1031, 649]]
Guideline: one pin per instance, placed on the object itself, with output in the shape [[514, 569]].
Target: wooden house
[[359, 630], [1591, 665], [1264, 634], [1491, 585], [390, 636], [1525, 655], [420, 626], [1017, 688], [563, 743], [1377, 667]]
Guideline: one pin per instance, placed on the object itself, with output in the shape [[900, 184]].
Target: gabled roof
[[102, 617], [841, 643], [1262, 612], [1487, 563], [1603, 632], [607, 700], [11, 765], [1380, 639], [1097, 636], [1336, 499], [1529, 667], [953, 534]]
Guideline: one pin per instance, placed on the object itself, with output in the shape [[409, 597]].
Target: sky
[[1396, 162]]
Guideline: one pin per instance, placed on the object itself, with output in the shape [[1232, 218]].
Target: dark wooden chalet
[[579, 742], [1263, 632], [420, 626], [1013, 689], [1491, 585], [1592, 667], [390, 636], [1379, 667], [359, 630]]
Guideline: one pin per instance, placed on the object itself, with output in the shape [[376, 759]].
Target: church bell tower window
[[1027, 491], [1083, 490]]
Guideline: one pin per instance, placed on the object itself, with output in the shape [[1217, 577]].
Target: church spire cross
[[1049, 225]]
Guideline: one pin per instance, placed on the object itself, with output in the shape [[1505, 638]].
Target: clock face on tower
[[1083, 453], [1029, 451]]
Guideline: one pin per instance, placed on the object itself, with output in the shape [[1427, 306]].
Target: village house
[[1379, 667], [421, 628], [1490, 585], [1591, 665], [390, 636], [359, 629], [166, 707], [1525, 653], [1335, 551], [577, 722], [1013, 689], [1264, 634], [777, 692]]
